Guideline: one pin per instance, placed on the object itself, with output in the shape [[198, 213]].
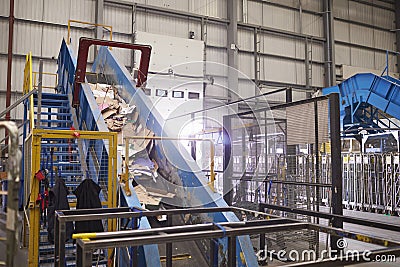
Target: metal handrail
[[108, 27], [16, 103], [13, 180]]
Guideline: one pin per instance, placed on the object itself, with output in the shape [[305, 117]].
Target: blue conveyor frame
[[192, 179], [366, 99]]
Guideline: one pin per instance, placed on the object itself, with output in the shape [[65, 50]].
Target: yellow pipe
[[109, 27], [84, 236], [125, 176]]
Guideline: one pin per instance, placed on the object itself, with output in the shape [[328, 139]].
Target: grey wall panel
[[182, 5], [3, 72], [4, 39], [246, 40], [384, 18], [318, 72], [341, 8], [385, 40], [342, 54], [216, 35], [318, 52], [312, 5], [387, 4], [123, 55], [27, 31], [300, 73], [279, 70], [278, 45], [380, 62], [342, 31], [360, 12], [52, 37], [280, 18], [361, 35], [218, 88], [28, 9], [299, 95], [247, 88], [4, 8], [208, 8], [255, 12], [217, 61], [120, 18], [312, 25], [246, 64], [362, 58]]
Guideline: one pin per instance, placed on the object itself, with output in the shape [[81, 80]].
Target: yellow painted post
[[33, 254]]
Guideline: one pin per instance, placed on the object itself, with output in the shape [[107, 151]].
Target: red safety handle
[[83, 50]]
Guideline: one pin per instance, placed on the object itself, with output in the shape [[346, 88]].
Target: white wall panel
[[342, 31], [341, 9], [342, 54], [27, 9], [384, 18], [246, 64], [247, 88], [360, 12], [4, 39], [208, 8], [246, 40], [279, 18], [385, 40], [361, 35], [312, 25], [120, 18], [362, 58]]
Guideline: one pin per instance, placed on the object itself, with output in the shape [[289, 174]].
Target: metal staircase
[[60, 159]]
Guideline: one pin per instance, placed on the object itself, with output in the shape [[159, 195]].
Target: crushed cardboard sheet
[[145, 197]]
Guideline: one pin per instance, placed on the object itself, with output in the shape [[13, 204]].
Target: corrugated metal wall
[[271, 34]]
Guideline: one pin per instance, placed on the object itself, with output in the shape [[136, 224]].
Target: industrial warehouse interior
[[159, 133]]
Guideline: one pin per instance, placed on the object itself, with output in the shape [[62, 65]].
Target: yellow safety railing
[[125, 175], [108, 27], [35, 81], [28, 86], [110, 139]]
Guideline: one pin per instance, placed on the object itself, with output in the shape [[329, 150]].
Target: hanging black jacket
[[87, 194], [58, 201]]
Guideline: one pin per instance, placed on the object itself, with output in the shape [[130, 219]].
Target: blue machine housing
[[366, 99], [90, 118]]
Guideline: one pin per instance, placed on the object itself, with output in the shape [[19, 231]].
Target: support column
[[329, 49], [336, 159], [232, 50], [397, 20], [9, 61], [99, 19]]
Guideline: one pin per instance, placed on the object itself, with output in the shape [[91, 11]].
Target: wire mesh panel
[[71, 157], [282, 157]]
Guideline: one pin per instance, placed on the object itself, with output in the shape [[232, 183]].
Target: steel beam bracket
[[83, 50]]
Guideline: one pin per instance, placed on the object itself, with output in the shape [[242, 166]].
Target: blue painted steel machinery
[[368, 102], [193, 184]]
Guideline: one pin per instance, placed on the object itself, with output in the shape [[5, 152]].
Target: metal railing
[[13, 184]]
